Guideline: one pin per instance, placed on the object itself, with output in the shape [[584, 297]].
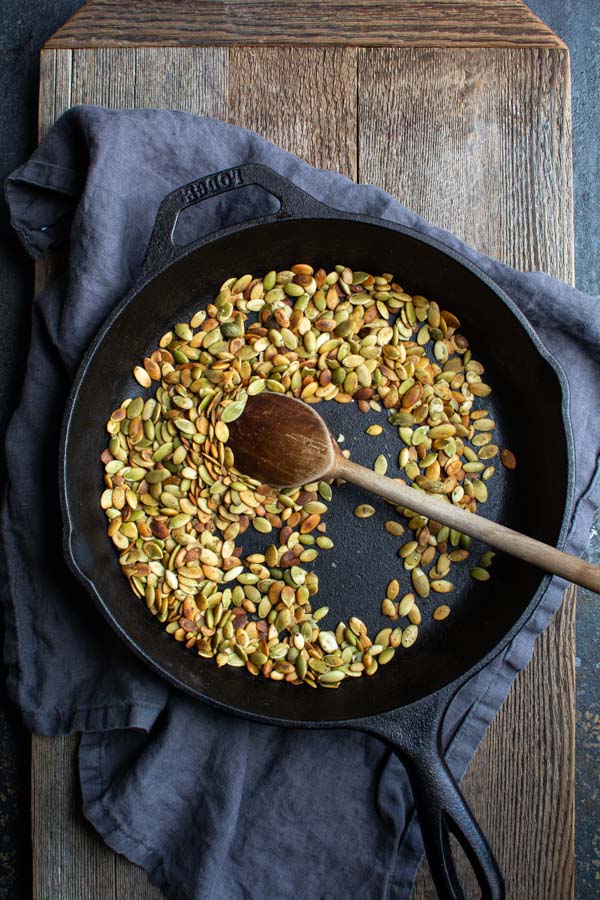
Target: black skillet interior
[[526, 403]]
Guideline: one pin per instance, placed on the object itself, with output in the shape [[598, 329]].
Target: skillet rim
[[448, 688]]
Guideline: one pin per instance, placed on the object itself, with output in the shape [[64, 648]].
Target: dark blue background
[[26, 24]]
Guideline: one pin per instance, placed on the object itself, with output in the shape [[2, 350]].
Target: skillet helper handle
[[442, 811], [294, 203], [545, 557], [414, 734]]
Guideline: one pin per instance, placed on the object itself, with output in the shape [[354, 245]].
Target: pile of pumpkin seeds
[[177, 507]]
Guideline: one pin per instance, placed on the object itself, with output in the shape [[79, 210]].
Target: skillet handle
[[294, 203], [441, 807]]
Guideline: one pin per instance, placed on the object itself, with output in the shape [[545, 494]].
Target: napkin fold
[[215, 807]]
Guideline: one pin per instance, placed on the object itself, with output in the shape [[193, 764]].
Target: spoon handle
[[535, 552]]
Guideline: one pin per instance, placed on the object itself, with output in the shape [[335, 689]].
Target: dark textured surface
[[26, 24], [578, 23]]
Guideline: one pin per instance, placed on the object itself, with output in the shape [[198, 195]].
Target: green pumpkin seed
[[135, 408], [380, 465], [386, 655], [383, 637], [262, 525], [233, 411], [325, 491], [333, 677], [315, 508]]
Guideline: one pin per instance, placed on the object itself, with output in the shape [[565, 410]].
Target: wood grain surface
[[479, 143], [69, 861], [306, 104], [430, 23], [481, 147]]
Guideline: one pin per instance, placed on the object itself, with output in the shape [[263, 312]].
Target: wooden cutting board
[[462, 111]]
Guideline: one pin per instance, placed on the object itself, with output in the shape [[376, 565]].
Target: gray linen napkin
[[211, 805]]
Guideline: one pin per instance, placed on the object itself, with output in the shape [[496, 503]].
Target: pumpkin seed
[[262, 525], [395, 528], [232, 412], [393, 589], [420, 582], [333, 677], [441, 612], [388, 608], [508, 459], [142, 377], [325, 491], [383, 637], [327, 641], [409, 635], [406, 604], [396, 637], [414, 615], [380, 465], [441, 587], [364, 511]]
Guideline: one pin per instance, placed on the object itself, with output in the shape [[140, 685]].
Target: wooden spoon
[[284, 442]]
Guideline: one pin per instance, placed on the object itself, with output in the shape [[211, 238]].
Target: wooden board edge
[[94, 25], [69, 42]]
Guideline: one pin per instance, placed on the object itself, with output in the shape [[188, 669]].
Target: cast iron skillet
[[405, 702]]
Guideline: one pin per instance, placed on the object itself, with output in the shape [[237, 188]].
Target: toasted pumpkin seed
[[409, 635], [396, 637], [440, 586], [420, 582], [393, 589], [364, 511], [508, 459], [394, 528], [406, 604], [441, 612], [388, 608]]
